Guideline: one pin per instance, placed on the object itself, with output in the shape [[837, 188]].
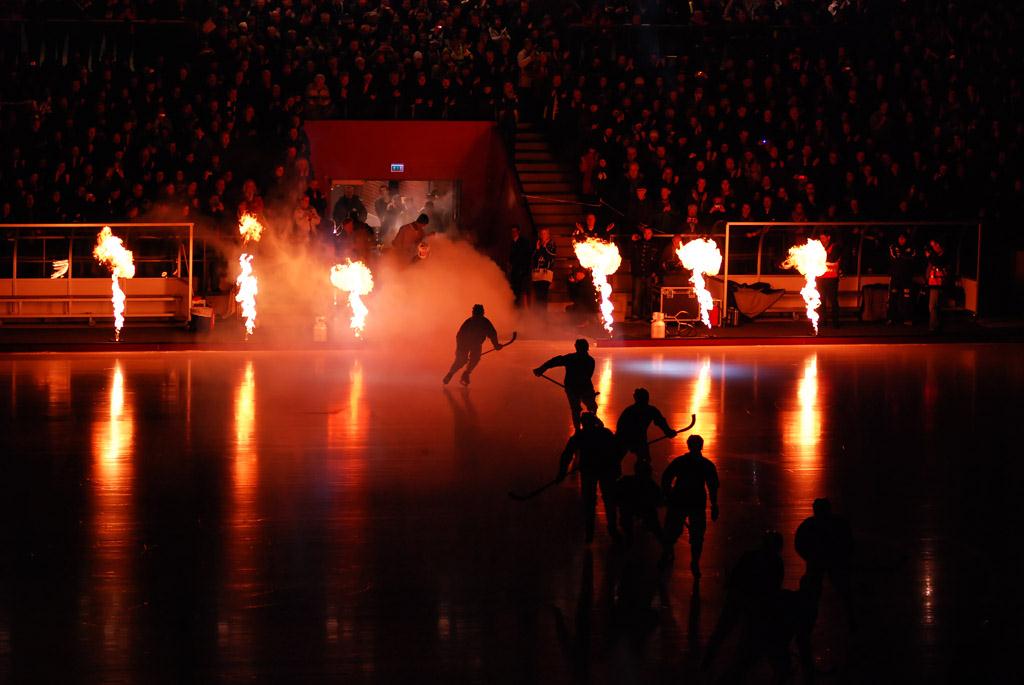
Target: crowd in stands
[[756, 109]]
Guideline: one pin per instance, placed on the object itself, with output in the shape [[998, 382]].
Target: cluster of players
[[773, 618]]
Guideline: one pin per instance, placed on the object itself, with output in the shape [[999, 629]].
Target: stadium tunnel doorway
[[389, 204]]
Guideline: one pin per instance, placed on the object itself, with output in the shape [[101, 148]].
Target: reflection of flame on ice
[[111, 252], [603, 259], [701, 256], [250, 228], [807, 394], [355, 279], [810, 260], [247, 292]]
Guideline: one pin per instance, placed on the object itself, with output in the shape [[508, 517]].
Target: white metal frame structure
[[88, 297], [792, 283]]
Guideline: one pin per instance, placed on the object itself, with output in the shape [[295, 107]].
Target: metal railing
[[42, 265], [965, 248]]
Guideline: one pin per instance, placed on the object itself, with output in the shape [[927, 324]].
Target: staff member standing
[[902, 257], [828, 283], [644, 269], [939, 277], [542, 271], [411, 235], [520, 255]]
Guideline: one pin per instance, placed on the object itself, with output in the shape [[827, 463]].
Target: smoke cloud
[[424, 302]]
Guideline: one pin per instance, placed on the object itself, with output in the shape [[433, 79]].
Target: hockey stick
[[561, 385], [693, 422], [515, 334], [533, 493], [522, 497]]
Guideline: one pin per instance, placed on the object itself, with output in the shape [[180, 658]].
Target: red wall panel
[[469, 151]]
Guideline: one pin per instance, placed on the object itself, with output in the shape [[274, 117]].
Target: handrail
[[163, 224], [854, 224]]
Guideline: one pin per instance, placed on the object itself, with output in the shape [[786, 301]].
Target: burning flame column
[[355, 279], [701, 256], [251, 230], [111, 252], [603, 260], [810, 260]]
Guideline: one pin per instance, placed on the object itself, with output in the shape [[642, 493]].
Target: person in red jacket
[[828, 283]]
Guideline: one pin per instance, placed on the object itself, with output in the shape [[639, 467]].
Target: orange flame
[[250, 228], [701, 256], [603, 259], [247, 292], [355, 279], [810, 260], [111, 252]]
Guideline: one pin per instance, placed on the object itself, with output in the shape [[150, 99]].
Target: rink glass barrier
[[47, 271], [753, 253]]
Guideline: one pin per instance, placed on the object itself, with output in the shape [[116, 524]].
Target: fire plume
[[602, 259], [810, 260], [250, 228], [246, 295], [111, 252], [701, 256], [355, 279]]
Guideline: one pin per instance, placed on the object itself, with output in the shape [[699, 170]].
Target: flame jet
[[810, 260], [111, 252], [602, 259], [355, 279], [701, 256], [250, 228]]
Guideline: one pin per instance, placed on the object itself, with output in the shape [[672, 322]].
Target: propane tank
[[320, 329], [658, 325]]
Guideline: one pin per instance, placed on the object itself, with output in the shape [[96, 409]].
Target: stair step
[[539, 146], [552, 189], [534, 156], [539, 168], [542, 176], [540, 208], [529, 137]]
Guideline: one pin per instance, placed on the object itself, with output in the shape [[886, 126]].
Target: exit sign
[[397, 168]]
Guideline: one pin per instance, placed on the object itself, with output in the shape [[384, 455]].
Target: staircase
[[554, 204]]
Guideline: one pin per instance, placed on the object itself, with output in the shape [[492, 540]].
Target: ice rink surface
[[342, 516]]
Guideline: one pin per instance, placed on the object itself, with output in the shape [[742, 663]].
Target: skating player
[[599, 456], [579, 384], [468, 343], [634, 422]]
